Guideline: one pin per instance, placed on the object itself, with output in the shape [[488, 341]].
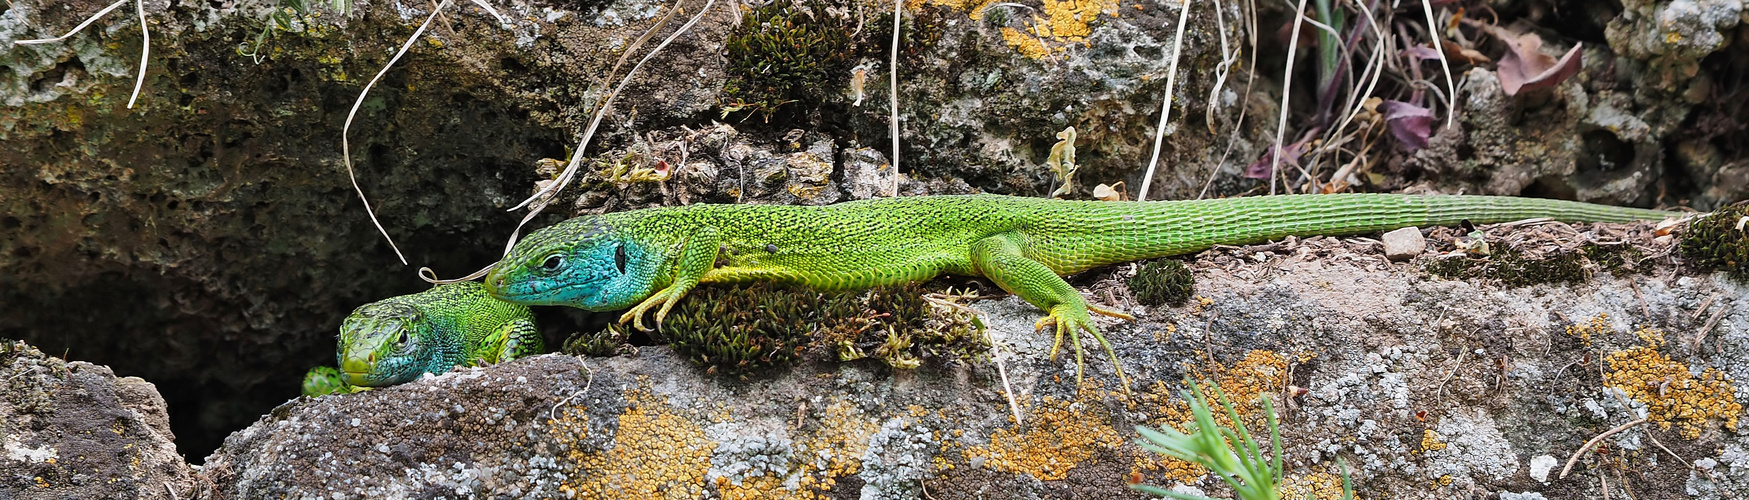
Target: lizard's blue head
[[384, 343], [581, 263]]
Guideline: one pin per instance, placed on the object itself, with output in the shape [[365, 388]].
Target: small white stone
[[1540, 467], [1404, 244]]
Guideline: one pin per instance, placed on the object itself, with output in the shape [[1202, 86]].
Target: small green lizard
[[395, 340], [648, 259]]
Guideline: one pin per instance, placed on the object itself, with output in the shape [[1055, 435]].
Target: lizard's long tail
[[1178, 227]]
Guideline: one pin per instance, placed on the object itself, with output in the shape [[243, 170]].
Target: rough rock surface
[[1427, 388], [74, 430], [215, 212]]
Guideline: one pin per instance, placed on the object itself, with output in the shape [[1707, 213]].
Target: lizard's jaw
[[357, 372]]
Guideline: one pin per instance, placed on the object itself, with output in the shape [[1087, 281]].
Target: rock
[[1402, 407], [74, 430], [1404, 244], [1540, 467]]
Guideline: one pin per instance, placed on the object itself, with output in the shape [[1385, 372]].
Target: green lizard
[[395, 340], [648, 259]]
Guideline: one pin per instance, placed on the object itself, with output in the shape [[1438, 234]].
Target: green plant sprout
[[1252, 476]]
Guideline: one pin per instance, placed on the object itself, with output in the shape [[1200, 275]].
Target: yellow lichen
[[1319, 485], [655, 453], [1430, 441], [1597, 325], [1672, 395], [1259, 373], [1026, 44], [1056, 437]]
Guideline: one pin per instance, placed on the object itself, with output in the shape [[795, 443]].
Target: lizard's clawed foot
[[1073, 319], [666, 298]]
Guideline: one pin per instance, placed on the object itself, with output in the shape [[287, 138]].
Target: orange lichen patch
[[1319, 485], [1063, 22], [1672, 395], [758, 488], [837, 447], [1025, 44], [1258, 373], [1598, 325], [1057, 436], [1430, 441], [655, 453]]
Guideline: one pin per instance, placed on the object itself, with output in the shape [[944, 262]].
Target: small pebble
[[1404, 244]]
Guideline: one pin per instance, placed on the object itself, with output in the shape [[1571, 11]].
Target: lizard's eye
[[403, 340], [619, 258], [553, 263]]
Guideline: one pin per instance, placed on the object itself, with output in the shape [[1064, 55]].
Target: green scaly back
[[647, 259]]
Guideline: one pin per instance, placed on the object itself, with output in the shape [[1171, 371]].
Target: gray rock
[[554, 425], [74, 430], [1404, 244]]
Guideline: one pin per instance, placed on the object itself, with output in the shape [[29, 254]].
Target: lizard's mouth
[[361, 379]]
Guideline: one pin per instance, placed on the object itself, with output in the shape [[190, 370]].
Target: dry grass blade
[[1433, 33], [76, 29], [145, 50], [601, 112], [571, 169], [145, 44], [345, 130], [1287, 79], [1250, 77], [1166, 100], [494, 12], [1228, 58], [893, 81]]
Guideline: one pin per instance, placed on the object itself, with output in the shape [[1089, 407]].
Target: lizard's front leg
[[697, 255], [999, 258], [512, 340]]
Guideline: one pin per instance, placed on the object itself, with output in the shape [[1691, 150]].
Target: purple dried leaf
[[1526, 68], [1410, 124], [1261, 169]]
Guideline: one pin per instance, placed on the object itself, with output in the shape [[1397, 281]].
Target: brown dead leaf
[[1525, 67], [1457, 52], [1109, 193]]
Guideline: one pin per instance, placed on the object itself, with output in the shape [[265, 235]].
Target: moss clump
[[740, 330], [1619, 259], [1163, 281], [786, 52], [1512, 268], [605, 343], [1720, 241]]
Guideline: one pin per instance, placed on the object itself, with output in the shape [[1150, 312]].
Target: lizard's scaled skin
[[648, 259], [395, 340]]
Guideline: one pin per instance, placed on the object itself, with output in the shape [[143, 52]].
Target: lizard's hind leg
[[1000, 259]]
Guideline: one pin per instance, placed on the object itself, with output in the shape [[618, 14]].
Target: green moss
[[1619, 259], [1513, 269], [786, 52], [605, 343], [1719, 242], [743, 329], [1163, 281]]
